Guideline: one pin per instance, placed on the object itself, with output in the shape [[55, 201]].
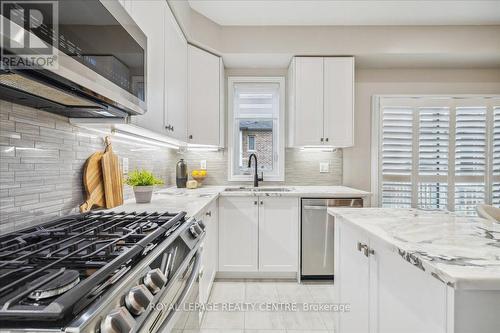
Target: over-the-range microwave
[[100, 56]]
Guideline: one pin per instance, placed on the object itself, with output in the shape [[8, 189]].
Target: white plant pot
[[143, 194]]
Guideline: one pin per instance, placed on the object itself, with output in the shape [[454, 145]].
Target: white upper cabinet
[[176, 77], [321, 101], [150, 17], [308, 115], [339, 101], [205, 107]]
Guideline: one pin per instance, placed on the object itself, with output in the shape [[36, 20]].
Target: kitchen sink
[[258, 189]]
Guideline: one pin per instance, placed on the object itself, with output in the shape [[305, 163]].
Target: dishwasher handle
[[315, 207]]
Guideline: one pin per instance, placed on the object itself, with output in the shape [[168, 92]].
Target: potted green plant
[[143, 182]]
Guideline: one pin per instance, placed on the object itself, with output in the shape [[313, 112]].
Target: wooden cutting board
[[112, 176], [93, 183]]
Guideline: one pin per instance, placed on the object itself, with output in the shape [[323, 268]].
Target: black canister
[[181, 174]]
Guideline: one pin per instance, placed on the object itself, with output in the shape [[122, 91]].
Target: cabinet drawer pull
[[365, 249]]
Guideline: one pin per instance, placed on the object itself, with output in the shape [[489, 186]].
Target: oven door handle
[[185, 293]]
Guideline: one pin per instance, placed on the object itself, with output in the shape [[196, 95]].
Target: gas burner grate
[[89, 248]]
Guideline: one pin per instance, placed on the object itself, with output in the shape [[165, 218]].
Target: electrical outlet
[[324, 167], [125, 165], [203, 164]]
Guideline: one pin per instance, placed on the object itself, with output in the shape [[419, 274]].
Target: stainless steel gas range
[[99, 272]]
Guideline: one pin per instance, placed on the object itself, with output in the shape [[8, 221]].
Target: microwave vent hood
[[101, 62]]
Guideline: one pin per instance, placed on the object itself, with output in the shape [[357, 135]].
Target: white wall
[[369, 82], [374, 46]]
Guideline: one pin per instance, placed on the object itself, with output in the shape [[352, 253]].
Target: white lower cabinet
[[258, 234], [210, 251], [278, 234], [238, 234]]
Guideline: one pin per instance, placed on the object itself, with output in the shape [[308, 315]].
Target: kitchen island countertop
[[463, 252]]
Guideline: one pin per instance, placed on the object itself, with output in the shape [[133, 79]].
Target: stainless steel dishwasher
[[317, 236]]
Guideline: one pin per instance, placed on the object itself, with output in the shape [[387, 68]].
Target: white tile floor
[[266, 321]]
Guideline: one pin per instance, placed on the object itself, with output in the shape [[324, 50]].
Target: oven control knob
[[194, 230], [138, 299], [155, 280], [201, 224], [118, 321]]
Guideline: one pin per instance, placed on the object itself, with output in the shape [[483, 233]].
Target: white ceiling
[[353, 12]]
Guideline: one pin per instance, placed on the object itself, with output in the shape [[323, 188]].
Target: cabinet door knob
[[326, 139], [209, 213], [321, 139], [190, 136], [255, 202], [262, 202]]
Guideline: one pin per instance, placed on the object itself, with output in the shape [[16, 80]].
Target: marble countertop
[[174, 200], [463, 252], [192, 201], [301, 191]]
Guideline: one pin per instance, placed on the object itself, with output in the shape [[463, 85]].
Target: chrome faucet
[[256, 178]]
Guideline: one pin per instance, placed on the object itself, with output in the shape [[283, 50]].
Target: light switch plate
[[125, 165], [203, 164], [324, 167]]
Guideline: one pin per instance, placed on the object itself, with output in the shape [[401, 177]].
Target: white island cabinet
[[258, 234], [415, 272]]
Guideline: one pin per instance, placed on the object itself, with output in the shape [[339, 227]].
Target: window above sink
[[256, 126]]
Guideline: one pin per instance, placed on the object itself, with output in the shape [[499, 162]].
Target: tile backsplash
[[41, 162], [42, 157], [301, 167]]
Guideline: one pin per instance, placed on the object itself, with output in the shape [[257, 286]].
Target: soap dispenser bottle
[[181, 174]]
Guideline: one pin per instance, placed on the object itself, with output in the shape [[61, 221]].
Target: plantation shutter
[[434, 153], [397, 122], [470, 158], [495, 196]]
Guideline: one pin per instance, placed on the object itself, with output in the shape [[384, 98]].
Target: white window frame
[[376, 144], [280, 153]]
